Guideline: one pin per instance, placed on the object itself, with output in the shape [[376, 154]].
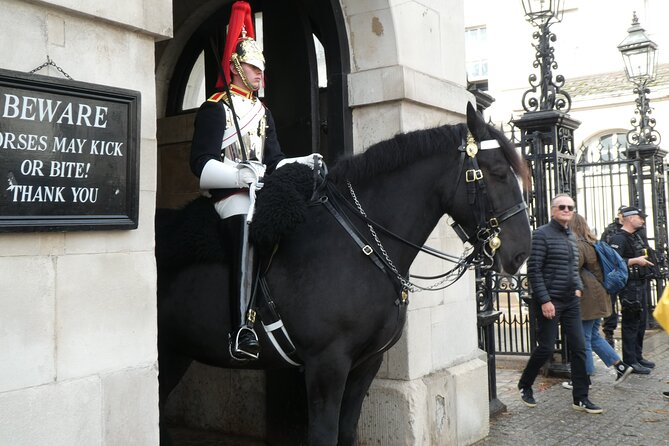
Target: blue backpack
[[613, 266]]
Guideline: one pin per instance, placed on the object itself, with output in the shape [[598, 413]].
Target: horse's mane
[[405, 148]]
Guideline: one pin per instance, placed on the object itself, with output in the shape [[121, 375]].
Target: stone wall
[[78, 359]]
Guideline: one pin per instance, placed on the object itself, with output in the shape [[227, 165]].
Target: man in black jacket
[[552, 270], [633, 298]]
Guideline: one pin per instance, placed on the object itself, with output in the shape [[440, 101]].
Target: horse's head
[[489, 204]]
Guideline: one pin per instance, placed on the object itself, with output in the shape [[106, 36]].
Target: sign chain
[[53, 64]]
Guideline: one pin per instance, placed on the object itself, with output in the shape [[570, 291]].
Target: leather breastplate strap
[[364, 247]]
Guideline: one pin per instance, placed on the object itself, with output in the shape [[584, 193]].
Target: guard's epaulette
[[217, 97]]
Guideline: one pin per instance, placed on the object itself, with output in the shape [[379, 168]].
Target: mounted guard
[[234, 145]]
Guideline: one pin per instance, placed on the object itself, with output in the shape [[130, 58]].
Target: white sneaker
[[567, 385]]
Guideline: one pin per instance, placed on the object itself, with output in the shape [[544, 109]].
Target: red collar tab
[[241, 91]]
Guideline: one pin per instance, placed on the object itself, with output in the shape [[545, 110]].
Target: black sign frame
[[123, 212]]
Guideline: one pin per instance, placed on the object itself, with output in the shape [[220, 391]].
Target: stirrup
[[238, 353]]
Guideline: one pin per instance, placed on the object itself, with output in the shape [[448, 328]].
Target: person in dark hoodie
[[553, 272]]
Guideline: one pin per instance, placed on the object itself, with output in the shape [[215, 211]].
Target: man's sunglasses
[[562, 207]]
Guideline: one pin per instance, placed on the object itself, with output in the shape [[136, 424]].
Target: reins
[[484, 242]]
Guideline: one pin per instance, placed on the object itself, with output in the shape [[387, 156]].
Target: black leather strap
[[364, 247]]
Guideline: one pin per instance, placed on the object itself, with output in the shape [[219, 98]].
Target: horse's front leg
[[325, 376], [359, 380]]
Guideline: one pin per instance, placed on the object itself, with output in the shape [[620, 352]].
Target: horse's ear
[[476, 124]]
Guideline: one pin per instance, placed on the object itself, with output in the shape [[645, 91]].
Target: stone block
[[106, 316], [374, 124], [448, 407], [130, 405], [25, 20], [34, 244], [59, 414], [471, 400], [27, 308], [454, 333], [226, 400], [394, 414], [373, 40]]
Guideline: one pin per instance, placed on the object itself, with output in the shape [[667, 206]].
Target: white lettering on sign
[[48, 110], [31, 194]]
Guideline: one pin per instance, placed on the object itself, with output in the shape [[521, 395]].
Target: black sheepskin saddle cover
[[192, 234]]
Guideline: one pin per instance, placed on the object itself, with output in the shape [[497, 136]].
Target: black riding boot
[[243, 339]]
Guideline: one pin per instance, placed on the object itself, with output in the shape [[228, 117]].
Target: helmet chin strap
[[240, 71]]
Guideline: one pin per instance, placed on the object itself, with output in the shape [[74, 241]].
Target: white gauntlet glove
[[250, 172], [218, 175], [307, 160]]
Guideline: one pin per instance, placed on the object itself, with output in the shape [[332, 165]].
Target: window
[[476, 50]]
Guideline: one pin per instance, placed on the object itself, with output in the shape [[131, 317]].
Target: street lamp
[[647, 170], [639, 54], [542, 14]]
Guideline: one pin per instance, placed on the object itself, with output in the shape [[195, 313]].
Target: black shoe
[[639, 369], [666, 395], [623, 371], [646, 363], [585, 405], [526, 396], [244, 344]]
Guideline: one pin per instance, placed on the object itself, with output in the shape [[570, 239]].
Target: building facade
[[78, 308]]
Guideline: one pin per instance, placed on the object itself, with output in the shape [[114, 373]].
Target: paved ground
[[635, 413]]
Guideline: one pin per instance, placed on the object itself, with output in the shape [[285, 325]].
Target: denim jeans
[[594, 341]]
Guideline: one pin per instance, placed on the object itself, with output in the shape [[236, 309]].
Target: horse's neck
[[406, 203]]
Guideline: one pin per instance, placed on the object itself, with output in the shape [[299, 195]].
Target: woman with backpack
[[595, 304]]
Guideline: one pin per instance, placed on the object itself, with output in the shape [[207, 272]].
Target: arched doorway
[[307, 55], [307, 68]]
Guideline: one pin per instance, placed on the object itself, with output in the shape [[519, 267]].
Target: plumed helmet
[[248, 51], [240, 42]]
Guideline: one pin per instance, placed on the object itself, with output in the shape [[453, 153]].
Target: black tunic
[[208, 137]]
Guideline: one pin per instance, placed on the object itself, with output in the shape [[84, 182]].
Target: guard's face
[[253, 75], [563, 210]]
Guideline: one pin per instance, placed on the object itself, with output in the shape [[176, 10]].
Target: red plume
[[240, 16]]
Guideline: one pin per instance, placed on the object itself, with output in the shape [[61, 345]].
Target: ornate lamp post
[[542, 14], [546, 130], [639, 55], [547, 133], [647, 172]]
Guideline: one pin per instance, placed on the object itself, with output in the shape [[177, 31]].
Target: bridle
[[485, 240]]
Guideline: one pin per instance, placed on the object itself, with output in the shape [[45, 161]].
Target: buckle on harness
[[367, 250], [472, 175], [493, 222]]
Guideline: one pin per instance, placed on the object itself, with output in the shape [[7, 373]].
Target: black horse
[[341, 310]]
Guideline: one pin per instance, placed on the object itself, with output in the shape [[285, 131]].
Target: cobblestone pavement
[[635, 412]]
